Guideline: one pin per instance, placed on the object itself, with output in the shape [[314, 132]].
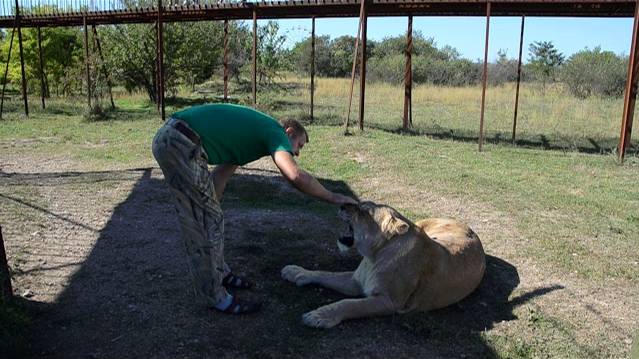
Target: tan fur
[[406, 267]]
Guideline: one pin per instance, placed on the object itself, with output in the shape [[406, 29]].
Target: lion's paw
[[320, 318], [296, 274]]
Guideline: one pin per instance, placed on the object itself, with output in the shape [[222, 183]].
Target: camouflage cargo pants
[[184, 165]]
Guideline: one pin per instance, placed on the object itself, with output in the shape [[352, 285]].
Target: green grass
[[573, 208], [567, 205]]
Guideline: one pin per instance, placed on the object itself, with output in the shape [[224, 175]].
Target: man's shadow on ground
[[133, 297]]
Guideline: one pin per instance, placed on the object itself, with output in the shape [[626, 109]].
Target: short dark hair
[[297, 127]]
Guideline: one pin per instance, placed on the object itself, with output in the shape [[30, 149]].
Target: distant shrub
[[544, 61], [454, 72], [389, 69], [595, 72], [457, 72], [96, 113], [503, 70]]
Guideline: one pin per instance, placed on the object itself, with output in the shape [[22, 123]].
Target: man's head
[[296, 133]]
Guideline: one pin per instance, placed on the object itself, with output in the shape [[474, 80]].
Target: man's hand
[[303, 181]]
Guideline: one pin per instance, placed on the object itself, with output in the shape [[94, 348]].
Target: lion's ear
[[393, 226]]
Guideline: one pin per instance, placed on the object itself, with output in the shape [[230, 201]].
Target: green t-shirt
[[233, 134]]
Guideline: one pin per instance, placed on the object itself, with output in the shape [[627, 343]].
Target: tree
[[300, 56], [197, 50], [192, 53], [62, 55], [240, 45], [503, 70], [422, 46], [341, 49], [544, 60], [270, 52], [430, 64], [595, 72], [132, 56]]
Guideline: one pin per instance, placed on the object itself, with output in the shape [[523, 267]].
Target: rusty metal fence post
[[312, 65], [521, 45], [226, 60], [5, 274], [408, 76], [86, 60], [254, 80], [160, 61], [24, 78], [6, 71], [42, 87], [484, 80], [630, 94], [350, 96], [96, 40], [362, 72], [157, 68]]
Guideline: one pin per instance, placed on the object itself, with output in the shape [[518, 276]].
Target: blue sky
[[466, 34]]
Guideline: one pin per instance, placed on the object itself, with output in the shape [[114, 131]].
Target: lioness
[[406, 266]]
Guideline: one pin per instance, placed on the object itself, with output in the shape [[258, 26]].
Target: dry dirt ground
[[98, 255]]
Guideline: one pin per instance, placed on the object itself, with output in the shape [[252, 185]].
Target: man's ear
[[393, 226], [289, 131]]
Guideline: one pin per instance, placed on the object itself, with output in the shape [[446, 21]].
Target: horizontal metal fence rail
[[42, 13]]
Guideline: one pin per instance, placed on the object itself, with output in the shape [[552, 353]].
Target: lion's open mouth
[[348, 239]]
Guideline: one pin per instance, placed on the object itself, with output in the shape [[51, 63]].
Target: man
[[227, 136]]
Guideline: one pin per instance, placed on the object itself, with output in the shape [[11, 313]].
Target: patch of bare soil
[[99, 256]]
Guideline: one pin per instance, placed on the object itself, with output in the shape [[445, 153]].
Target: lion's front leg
[[342, 282], [330, 315]]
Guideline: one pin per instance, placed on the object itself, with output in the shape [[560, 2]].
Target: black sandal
[[233, 281], [238, 307]]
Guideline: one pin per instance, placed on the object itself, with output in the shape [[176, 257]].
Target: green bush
[[96, 113], [595, 72], [503, 70], [388, 68], [454, 72]]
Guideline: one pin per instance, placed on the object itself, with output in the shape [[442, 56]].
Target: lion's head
[[372, 225]]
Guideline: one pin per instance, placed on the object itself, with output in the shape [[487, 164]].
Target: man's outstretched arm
[[303, 181]]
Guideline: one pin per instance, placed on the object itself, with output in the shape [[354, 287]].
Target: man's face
[[297, 141]]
